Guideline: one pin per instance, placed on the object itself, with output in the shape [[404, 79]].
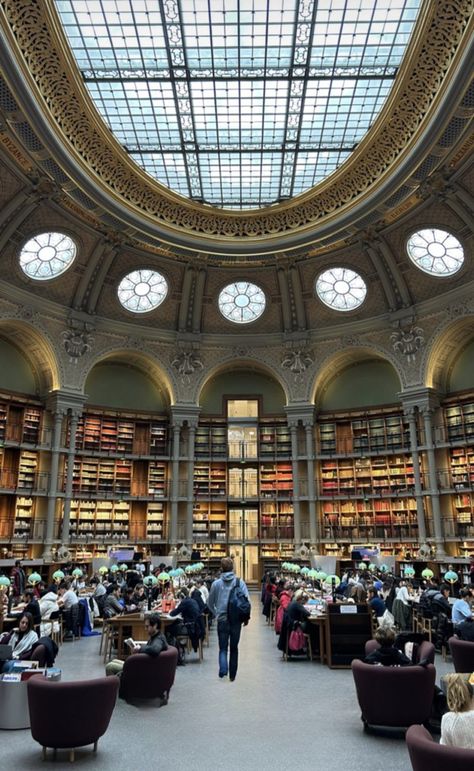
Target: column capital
[[185, 413], [419, 397], [296, 413], [66, 400]]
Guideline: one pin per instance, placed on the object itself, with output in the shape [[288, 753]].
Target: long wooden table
[[321, 622], [134, 624]]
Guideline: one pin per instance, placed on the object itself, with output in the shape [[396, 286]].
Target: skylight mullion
[[173, 35], [216, 111]]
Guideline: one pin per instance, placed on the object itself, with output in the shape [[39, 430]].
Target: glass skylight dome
[[241, 103]]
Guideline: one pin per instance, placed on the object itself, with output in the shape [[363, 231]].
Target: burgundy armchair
[[148, 677], [428, 755], [70, 714], [462, 653], [425, 651], [394, 696]]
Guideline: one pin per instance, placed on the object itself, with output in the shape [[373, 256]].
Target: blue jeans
[[229, 636]]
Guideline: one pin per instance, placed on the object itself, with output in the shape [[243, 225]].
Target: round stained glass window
[[142, 290], [242, 302], [47, 255], [435, 252], [341, 289]]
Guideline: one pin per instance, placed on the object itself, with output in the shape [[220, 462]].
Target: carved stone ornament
[[77, 339], [408, 341], [187, 363], [458, 310], [297, 361]]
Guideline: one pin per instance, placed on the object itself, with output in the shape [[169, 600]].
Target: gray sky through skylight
[[239, 103]]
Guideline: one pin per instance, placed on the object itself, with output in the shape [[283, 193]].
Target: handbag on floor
[[296, 641]]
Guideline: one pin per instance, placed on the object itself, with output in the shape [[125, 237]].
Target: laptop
[[6, 652]]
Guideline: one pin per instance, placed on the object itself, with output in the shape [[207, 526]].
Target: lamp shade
[[372, 567], [34, 578], [58, 575], [163, 577], [103, 570], [383, 568], [409, 571], [451, 576], [427, 573], [312, 573], [114, 568], [150, 580], [321, 575], [77, 573], [332, 580], [304, 571], [4, 581], [123, 567], [362, 566]]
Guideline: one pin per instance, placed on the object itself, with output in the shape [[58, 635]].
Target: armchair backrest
[[394, 696], [146, 677], [462, 652], [428, 755]]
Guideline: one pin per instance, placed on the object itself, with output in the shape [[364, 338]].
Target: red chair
[[149, 677], [462, 653], [71, 714], [428, 755], [394, 696]]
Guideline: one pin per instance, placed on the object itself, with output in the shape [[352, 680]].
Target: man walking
[[228, 630]]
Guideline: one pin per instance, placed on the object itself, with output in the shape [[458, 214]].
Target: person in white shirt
[[48, 604], [67, 597], [457, 726]]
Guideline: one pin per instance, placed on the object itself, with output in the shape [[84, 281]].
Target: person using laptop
[[21, 641]]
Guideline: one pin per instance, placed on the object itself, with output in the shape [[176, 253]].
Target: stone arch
[[144, 362], [37, 349], [244, 363], [337, 361], [445, 346]]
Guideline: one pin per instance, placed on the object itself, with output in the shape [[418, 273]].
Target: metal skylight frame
[[240, 103]]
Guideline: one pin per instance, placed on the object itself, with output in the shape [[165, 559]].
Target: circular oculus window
[[435, 252], [142, 290], [47, 255], [341, 289], [242, 302]]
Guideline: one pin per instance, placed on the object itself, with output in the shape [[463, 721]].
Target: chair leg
[[95, 746], [72, 756], [43, 754]]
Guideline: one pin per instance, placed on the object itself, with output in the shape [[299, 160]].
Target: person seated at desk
[[375, 602], [192, 623], [295, 615], [461, 608], [127, 598], [153, 647], [48, 605], [457, 725], [387, 655], [138, 596], [21, 639], [68, 605], [401, 606], [112, 604], [465, 630]]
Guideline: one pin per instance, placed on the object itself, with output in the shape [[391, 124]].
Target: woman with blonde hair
[[457, 725]]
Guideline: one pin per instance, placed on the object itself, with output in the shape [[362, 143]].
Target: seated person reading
[[21, 640], [155, 644]]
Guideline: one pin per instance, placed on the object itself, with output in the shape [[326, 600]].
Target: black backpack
[[238, 607]]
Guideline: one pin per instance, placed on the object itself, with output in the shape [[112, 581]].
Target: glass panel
[[239, 104], [242, 442], [242, 408]]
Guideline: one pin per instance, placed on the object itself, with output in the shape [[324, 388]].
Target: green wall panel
[[120, 386], [242, 383], [15, 371], [366, 384], [462, 374]]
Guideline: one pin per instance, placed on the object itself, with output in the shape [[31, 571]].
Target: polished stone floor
[[276, 715]]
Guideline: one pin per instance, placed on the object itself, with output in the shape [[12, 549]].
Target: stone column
[[58, 416], [410, 414], [313, 520], [296, 488], [173, 529], [426, 412], [71, 451], [190, 486]]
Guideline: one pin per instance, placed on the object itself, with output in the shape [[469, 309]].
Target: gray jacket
[[219, 594]]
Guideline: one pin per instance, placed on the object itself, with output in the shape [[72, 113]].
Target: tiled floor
[[276, 715]]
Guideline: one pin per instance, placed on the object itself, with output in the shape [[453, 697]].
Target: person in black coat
[[192, 623], [387, 655], [295, 615]]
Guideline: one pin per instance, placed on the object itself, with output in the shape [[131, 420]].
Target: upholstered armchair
[[148, 677], [462, 653], [425, 651], [428, 755]]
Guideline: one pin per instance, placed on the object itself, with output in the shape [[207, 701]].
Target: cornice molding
[[39, 67]]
